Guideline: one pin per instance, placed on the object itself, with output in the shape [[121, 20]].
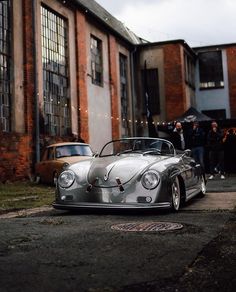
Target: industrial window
[[150, 83], [211, 70], [54, 36], [5, 61], [124, 91], [96, 61], [189, 70]]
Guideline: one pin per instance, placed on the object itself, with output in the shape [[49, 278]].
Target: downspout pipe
[[133, 91], [36, 86]]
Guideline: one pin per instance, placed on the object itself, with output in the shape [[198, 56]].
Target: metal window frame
[[56, 109], [5, 65], [96, 60]]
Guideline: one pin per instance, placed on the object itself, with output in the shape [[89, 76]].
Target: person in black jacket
[[178, 137], [230, 153], [196, 142], [216, 150]]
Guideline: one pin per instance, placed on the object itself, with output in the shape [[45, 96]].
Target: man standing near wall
[[196, 142], [216, 150], [178, 137]]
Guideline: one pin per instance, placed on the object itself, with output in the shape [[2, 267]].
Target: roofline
[[169, 42], [215, 46], [100, 20]]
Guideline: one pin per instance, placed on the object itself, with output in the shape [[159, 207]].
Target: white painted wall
[[18, 121], [99, 101], [214, 99]]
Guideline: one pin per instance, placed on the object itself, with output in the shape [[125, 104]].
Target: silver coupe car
[[131, 173]]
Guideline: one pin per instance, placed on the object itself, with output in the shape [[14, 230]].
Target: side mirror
[[188, 152]]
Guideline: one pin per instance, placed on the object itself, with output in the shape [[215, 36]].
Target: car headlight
[[150, 179], [66, 179]]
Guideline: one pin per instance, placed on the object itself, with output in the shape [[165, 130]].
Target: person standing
[[178, 137], [196, 142], [230, 153], [216, 150]]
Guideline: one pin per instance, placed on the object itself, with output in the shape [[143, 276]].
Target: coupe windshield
[[140, 145], [73, 150]]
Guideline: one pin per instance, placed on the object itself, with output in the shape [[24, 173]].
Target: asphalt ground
[[60, 251], [50, 250]]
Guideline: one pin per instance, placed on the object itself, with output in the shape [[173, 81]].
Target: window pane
[[96, 61], [5, 60], [152, 88], [54, 31], [124, 94], [211, 69]]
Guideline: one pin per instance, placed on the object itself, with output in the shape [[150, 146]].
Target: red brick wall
[[174, 81], [113, 86], [231, 60], [82, 75], [14, 159]]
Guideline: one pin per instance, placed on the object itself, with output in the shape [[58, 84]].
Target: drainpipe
[[36, 87], [133, 92]]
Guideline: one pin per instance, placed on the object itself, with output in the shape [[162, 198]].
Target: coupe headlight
[[66, 179], [150, 179]]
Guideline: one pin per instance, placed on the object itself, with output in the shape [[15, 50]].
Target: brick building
[[216, 81], [65, 71], [69, 69]]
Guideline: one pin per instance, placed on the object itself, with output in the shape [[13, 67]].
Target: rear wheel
[[175, 194]]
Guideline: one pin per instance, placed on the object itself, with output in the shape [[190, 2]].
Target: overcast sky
[[198, 22]]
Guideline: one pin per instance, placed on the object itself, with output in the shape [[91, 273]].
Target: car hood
[[104, 172]]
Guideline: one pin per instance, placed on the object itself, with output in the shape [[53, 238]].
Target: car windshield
[[73, 150], [138, 145]]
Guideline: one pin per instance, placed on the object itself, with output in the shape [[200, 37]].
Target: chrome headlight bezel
[[66, 179], [150, 179]]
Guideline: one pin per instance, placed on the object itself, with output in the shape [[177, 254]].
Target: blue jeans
[[198, 155]]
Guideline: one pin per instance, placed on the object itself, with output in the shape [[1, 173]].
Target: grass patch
[[24, 195]]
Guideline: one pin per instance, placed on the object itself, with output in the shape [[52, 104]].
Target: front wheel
[[175, 194], [202, 186]]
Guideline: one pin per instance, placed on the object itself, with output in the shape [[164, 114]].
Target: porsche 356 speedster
[[131, 173]]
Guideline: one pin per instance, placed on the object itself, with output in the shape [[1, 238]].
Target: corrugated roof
[[109, 20]]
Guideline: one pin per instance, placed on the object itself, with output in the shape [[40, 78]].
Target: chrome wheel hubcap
[[203, 186], [175, 195]]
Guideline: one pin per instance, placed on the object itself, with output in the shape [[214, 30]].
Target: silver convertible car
[[131, 173]]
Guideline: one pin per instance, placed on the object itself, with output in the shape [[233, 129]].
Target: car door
[[46, 165], [191, 179]]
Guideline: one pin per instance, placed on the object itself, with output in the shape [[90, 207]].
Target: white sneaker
[[211, 177], [222, 176]]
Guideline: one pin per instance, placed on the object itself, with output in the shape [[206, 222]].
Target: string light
[[106, 116]]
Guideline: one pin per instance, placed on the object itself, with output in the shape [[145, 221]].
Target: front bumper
[[114, 206]]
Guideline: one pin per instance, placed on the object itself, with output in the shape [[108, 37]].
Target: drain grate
[[147, 227]]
